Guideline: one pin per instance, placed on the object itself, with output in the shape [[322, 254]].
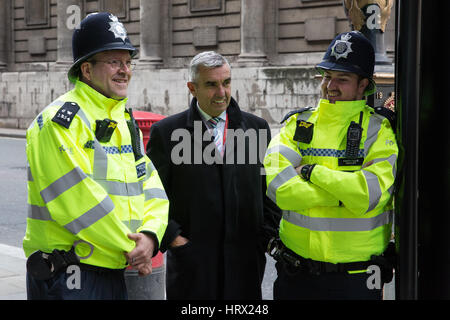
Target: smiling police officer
[[95, 199], [332, 169]]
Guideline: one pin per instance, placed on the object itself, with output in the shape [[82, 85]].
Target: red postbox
[[145, 120]]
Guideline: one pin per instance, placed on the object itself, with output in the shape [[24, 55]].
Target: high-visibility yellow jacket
[[343, 214], [86, 193]]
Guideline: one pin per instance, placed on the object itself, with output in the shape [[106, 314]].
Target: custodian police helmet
[[351, 52], [97, 32]]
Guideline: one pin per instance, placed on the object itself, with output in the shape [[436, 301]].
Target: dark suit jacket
[[221, 208]]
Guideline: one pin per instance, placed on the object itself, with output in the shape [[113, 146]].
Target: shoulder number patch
[[66, 113]]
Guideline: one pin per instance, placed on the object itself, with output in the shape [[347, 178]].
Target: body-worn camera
[[105, 129]]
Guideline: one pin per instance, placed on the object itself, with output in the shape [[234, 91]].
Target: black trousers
[[81, 284], [295, 285]]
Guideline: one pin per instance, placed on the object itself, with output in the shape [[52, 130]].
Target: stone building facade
[[272, 46]]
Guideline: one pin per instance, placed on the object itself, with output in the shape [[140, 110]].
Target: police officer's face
[[107, 72], [212, 89], [342, 86]]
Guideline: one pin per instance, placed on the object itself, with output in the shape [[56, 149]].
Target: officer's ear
[[86, 70], [362, 86]]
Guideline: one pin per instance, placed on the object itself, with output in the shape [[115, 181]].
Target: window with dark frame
[[37, 13], [119, 8], [206, 6]]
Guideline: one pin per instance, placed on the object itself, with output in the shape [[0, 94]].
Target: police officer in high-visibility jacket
[[95, 201], [332, 169]]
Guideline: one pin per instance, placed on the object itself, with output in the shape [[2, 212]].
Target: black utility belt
[[281, 253], [90, 267], [44, 266]]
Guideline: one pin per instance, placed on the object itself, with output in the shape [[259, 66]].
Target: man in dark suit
[[209, 160]]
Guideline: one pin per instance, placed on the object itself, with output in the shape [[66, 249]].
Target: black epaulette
[[66, 113], [291, 113], [388, 114]]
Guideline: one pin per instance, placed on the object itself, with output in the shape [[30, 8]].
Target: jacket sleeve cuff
[[155, 238], [172, 231]]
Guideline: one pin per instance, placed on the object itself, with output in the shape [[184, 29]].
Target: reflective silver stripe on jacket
[[292, 156], [100, 168], [63, 184], [29, 174], [40, 119], [285, 175], [150, 169], [118, 188], [155, 193], [337, 224], [133, 224], [91, 216], [374, 189], [372, 132], [39, 213], [373, 183]]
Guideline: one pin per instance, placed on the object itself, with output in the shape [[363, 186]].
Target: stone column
[[69, 15], [150, 36], [3, 34], [252, 33]]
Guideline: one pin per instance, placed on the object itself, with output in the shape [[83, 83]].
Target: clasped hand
[[140, 258]]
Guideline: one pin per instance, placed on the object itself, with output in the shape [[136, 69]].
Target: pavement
[[12, 273], [12, 259]]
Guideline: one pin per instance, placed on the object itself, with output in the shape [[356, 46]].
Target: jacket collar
[[97, 104], [233, 112], [340, 111]]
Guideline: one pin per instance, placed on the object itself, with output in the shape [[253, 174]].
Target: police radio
[[135, 137], [354, 135]]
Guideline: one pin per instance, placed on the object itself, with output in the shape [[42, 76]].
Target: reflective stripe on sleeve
[[373, 183], [337, 224], [155, 193], [284, 176], [133, 224], [374, 189], [293, 157], [91, 216], [39, 213], [63, 184]]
